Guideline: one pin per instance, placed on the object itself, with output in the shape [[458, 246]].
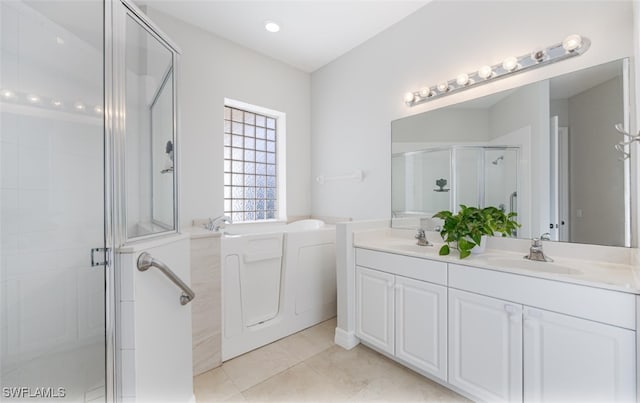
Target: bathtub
[[275, 283]]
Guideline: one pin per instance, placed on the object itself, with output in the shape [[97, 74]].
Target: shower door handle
[[145, 261]]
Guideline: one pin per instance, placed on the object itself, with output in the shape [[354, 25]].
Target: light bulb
[[271, 26], [443, 87], [33, 98], [510, 63], [409, 97], [538, 55], [57, 103], [7, 94], [572, 42], [462, 79], [97, 110], [425, 92], [485, 72], [79, 106]]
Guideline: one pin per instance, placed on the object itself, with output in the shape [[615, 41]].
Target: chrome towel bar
[[145, 261]]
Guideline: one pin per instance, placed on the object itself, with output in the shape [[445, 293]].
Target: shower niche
[[441, 178]]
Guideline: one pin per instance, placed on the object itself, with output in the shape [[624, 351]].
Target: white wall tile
[[9, 165], [8, 126], [34, 169], [128, 372], [127, 325], [127, 285], [35, 132]]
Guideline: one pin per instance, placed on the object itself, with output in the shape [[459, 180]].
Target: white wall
[[210, 69], [355, 98], [528, 108], [454, 125], [597, 184], [154, 328]]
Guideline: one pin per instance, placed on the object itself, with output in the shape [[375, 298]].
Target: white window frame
[[281, 168]]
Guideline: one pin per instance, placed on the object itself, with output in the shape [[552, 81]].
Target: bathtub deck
[[308, 366]]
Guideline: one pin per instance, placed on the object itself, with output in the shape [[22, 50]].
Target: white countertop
[[609, 268], [200, 232]]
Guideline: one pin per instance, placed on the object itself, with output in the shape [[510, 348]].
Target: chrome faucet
[[421, 236], [535, 251], [215, 224]]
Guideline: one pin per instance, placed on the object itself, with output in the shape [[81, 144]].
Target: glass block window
[[250, 174]]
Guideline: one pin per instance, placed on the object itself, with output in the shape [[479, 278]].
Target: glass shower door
[[52, 301]]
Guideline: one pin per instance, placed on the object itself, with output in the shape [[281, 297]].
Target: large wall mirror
[[150, 133], [543, 150]]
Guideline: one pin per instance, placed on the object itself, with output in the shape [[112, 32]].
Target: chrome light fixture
[[571, 46]]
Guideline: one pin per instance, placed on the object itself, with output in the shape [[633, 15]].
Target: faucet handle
[[536, 242], [420, 233]]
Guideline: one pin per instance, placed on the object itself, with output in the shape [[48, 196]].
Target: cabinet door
[[485, 346], [571, 359], [421, 320], [374, 308]]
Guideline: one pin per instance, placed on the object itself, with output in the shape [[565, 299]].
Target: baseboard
[[346, 340]]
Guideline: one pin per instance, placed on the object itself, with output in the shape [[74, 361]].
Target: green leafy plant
[[467, 227]]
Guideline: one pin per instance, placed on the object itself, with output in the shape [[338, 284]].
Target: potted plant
[[467, 228]]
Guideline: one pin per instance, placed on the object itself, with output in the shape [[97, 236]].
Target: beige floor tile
[[322, 333], [353, 369], [404, 385], [213, 386], [308, 366], [330, 323], [236, 398], [297, 384], [307, 343], [256, 366]]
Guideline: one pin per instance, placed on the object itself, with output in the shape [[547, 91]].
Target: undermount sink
[[521, 263]]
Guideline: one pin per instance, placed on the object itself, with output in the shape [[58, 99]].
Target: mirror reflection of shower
[[474, 175]]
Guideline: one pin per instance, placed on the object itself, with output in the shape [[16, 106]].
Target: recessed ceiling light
[[271, 26]]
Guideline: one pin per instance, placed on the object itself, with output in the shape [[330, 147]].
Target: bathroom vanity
[[496, 327]]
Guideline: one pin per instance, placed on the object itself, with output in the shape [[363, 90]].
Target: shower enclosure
[[87, 113], [442, 178]]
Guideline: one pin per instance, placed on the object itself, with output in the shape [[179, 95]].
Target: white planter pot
[[480, 248]]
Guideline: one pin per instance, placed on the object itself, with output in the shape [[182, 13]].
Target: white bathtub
[[276, 283]]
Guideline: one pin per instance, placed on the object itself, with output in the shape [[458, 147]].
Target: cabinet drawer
[[606, 306], [412, 267]]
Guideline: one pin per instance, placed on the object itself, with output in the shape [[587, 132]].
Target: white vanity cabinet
[[496, 335], [504, 349], [403, 315], [485, 346], [571, 359], [375, 308]]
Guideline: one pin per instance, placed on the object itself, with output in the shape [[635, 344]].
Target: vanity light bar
[[571, 46]]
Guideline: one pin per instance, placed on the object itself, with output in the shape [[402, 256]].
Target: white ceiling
[[312, 34]]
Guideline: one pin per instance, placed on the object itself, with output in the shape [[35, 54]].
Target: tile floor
[[308, 366]]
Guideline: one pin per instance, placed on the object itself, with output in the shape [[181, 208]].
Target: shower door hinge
[[99, 256]]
